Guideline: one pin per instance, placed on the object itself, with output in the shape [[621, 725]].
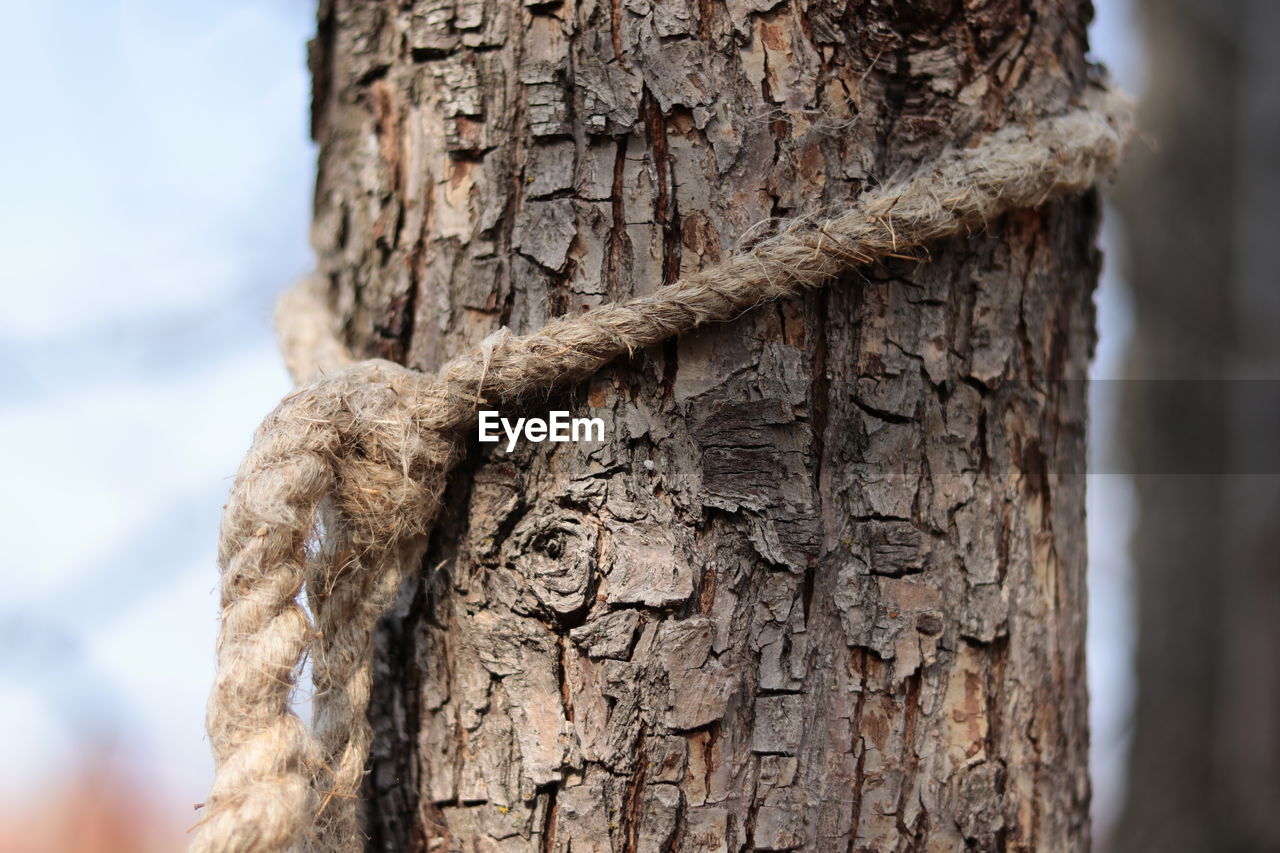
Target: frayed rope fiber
[[345, 477]]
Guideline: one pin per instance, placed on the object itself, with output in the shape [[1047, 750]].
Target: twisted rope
[[345, 477]]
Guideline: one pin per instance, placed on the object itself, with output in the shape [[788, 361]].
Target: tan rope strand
[[345, 478], [307, 332]]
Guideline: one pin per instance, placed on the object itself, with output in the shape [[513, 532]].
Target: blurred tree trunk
[[821, 587], [1200, 211]]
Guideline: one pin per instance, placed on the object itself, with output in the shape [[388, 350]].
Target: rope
[[345, 477]]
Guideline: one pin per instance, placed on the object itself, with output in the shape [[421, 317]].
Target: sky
[[156, 199]]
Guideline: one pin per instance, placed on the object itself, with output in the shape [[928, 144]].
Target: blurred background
[[157, 178], [156, 174]]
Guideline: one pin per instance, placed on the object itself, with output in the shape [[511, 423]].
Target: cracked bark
[[821, 588]]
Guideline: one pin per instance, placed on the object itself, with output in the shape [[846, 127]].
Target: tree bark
[[821, 587]]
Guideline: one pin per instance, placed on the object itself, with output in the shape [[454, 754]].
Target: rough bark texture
[[821, 588], [1200, 214]]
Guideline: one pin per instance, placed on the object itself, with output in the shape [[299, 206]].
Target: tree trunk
[[821, 586]]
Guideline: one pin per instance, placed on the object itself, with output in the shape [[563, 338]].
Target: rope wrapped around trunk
[[344, 479]]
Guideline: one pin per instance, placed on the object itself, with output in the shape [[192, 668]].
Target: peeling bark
[[821, 588]]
